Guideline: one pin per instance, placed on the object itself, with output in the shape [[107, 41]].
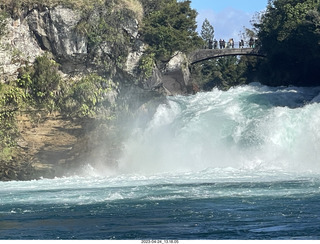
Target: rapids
[[241, 164], [248, 127]]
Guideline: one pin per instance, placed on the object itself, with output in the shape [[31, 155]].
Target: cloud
[[227, 23]]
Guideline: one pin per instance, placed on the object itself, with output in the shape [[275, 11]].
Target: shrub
[[88, 97], [41, 82], [146, 65], [3, 23], [11, 99]]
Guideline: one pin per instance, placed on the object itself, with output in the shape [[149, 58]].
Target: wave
[[248, 127]]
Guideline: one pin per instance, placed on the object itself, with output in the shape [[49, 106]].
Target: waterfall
[[252, 127]]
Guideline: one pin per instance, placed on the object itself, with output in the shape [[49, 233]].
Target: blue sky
[[228, 17]]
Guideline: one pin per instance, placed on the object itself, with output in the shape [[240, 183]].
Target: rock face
[[52, 30], [176, 76], [134, 57], [55, 31], [171, 79], [17, 48]]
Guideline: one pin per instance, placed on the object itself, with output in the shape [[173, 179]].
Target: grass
[[15, 5], [12, 4]]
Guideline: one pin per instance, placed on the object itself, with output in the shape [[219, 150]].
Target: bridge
[[205, 54]]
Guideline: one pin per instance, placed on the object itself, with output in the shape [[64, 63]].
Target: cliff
[[58, 133]]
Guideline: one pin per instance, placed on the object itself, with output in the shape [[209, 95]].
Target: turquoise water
[[242, 164]]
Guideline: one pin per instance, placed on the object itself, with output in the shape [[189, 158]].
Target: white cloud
[[227, 23]]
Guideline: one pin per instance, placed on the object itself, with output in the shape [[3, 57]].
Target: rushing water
[[241, 164]]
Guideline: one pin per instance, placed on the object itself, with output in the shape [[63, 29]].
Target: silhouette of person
[[251, 42], [210, 44], [215, 44]]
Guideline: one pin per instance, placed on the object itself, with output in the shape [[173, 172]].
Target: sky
[[228, 17]]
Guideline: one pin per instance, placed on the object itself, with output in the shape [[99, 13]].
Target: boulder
[[176, 75]]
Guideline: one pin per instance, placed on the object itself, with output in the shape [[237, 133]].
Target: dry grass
[[15, 6], [72, 3], [133, 5]]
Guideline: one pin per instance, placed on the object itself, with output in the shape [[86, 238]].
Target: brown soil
[[48, 140]]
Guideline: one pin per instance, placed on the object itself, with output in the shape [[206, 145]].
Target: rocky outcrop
[[40, 30], [17, 48], [172, 78], [55, 31], [176, 75]]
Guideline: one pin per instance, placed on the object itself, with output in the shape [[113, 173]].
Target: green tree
[[41, 82], [45, 79], [171, 28], [207, 31], [222, 73], [289, 33]]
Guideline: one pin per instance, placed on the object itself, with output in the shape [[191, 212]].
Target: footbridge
[[205, 54]]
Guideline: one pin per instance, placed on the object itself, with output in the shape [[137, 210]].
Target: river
[[238, 164]]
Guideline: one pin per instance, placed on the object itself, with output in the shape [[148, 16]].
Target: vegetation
[[146, 65], [15, 5], [207, 31], [40, 83], [11, 99], [3, 23], [103, 26], [169, 28], [289, 33], [223, 73], [88, 97], [42, 88]]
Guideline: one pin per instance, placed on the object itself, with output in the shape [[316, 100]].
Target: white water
[[250, 134], [246, 128], [206, 184]]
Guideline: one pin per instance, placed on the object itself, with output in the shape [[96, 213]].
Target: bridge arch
[[206, 54]]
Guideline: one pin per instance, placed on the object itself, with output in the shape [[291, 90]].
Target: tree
[[171, 28], [223, 73], [207, 31], [289, 33]]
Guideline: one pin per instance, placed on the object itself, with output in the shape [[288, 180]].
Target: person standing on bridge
[[220, 44], [241, 44], [215, 44], [232, 43], [210, 44], [251, 43]]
